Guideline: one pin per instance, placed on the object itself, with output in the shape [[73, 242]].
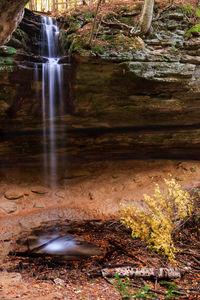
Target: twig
[[196, 260], [125, 250], [118, 25], [99, 25], [156, 284], [190, 253], [94, 22], [178, 293], [162, 10], [157, 292]]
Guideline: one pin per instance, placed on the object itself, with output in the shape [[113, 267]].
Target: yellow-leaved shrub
[[155, 223]]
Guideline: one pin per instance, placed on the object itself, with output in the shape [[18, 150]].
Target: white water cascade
[[52, 98]]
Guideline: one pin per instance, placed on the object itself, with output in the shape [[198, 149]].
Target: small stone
[[136, 179], [91, 197], [115, 176], [179, 178], [13, 194], [7, 51], [39, 205], [176, 16], [8, 207], [193, 170], [59, 281], [60, 194], [76, 173], [39, 190]]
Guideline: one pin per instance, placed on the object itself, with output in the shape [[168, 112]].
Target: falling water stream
[[52, 98]]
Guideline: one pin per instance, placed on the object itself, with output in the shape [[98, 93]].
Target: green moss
[[74, 24], [97, 48], [122, 42], [7, 50], [78, 44], [126, 20], [66, 39], [6, 61], [15, 43], [88, 16], [125, 9], [19, 33]]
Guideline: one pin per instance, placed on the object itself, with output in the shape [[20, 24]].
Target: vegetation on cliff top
[[116, 26]]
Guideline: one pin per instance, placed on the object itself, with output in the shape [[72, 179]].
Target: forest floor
[[47, 278], [97, 188]]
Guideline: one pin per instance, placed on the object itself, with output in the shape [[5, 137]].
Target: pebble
[[59, 281], [136, 179], [8, 207], [115, 176], [180, 178], [193, 170], [39, 190], [13, 194], [60, 194], [76, 173]]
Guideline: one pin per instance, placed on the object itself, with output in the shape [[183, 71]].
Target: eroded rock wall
[[140, 103]]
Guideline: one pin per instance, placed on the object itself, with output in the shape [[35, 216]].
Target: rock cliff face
[[11, 14], [124, 103]]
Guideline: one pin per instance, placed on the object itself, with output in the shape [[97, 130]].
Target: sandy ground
[[12, 286], [90, 191]]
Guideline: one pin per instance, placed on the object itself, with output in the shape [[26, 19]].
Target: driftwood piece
[[161, 273]]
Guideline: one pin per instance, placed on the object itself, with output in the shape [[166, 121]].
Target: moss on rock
[[15, 43], [7, 51]]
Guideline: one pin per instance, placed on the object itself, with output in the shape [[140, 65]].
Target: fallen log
[[160, 273]]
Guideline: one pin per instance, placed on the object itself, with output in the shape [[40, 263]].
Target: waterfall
[[52, 98]]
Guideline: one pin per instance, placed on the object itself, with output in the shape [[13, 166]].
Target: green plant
[[189, 10], [195, 28], [88, 19], [171, 287], [144, 293], [123, 288], [156, 222], [194, 14]]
